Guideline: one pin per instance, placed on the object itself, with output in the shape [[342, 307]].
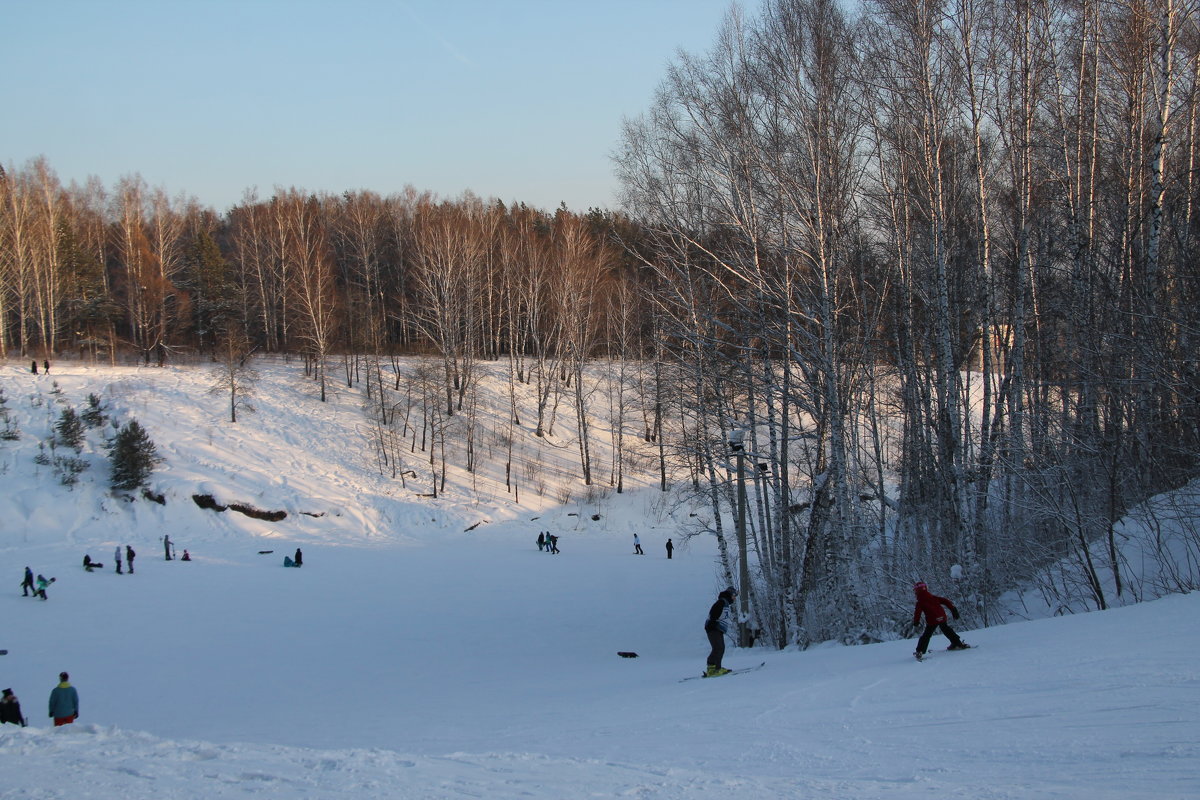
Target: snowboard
[[950, 650], [731, 672]]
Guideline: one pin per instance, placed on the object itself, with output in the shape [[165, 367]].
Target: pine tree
[[132, 457], [69, 429]]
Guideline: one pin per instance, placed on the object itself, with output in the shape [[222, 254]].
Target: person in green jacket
[[64, 701]]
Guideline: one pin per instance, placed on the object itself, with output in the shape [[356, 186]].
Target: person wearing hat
[[64, 701], [10, 709], [714, 628], [930, 605]]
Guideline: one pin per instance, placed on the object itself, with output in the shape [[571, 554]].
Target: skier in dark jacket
[[64, 701], [714, 628], [930, 605], [129, 554], [27, 584], [10, 709]]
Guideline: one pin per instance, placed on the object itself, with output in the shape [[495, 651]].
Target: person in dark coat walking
[[27, 584], [552, 541], [541, 540], [714, 629], [46, 366], [930, 605], [35, 368], [129, 554], [64, 701], [670, 548], [10, 709]]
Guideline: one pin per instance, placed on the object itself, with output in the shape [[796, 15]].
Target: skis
[[731, 672]]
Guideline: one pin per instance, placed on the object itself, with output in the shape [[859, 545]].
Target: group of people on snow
[[32, 588], [64, 704], [548, 543], [91, 566], [927, 604]]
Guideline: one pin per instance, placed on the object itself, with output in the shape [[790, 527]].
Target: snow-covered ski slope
[[409, 658]]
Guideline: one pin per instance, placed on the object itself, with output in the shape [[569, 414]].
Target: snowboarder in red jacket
[[935, 618]]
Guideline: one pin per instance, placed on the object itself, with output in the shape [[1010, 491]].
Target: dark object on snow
[[90, 565], [129, 554], [670, 548], [265, 552], [167, 546], [287, 562], [35, 368], [186, 556], [595, 517], [626, 654], [27, 584], [299, 559]]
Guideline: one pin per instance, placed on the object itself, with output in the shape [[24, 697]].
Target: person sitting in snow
[[90, 565], [186, 556], [935, 618], [10, 709]]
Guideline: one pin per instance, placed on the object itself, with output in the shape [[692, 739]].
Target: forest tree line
[[934, 260]]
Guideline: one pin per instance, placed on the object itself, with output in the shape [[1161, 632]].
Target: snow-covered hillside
[[413, 658]]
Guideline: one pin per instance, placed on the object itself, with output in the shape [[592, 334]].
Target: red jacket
[[931, 604]]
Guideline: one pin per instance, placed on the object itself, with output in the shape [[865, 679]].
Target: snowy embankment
[[410, 658]]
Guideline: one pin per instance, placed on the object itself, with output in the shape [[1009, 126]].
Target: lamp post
[[737, 444]]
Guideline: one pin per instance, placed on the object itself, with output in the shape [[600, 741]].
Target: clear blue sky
[[515, 99]]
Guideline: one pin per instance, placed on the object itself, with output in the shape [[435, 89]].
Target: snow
[[411, 658]]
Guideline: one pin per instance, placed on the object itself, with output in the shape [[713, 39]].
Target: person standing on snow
[[637, 546], [670, 548], [117, 558], [541, 541], [64, 701], [299, 558], [714, 628], [935, 618], [27, 584], [129, 554]]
